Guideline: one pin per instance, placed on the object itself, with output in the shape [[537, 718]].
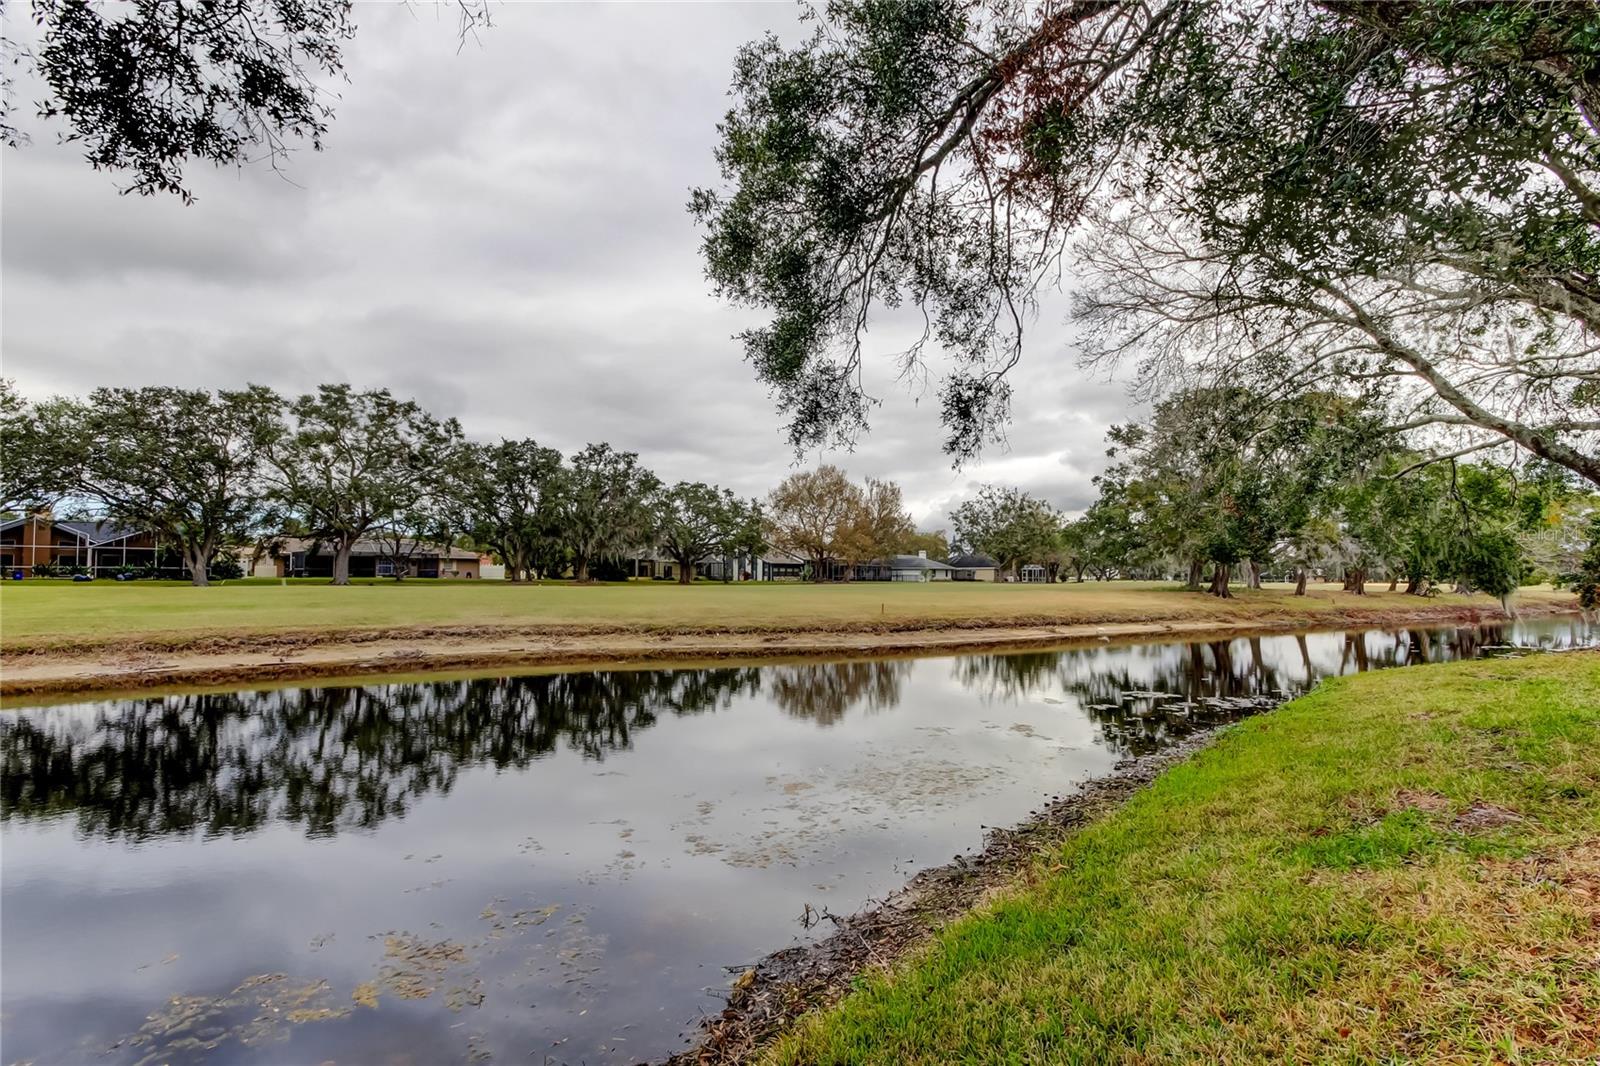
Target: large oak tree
[[602, 507], [1401, 200], [352, 460], [184, 464]]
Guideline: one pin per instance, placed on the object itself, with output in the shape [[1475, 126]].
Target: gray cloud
[[501, 233]]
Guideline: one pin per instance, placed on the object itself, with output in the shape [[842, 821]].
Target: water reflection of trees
[[825, 692], [325, 758], [1115, 686]]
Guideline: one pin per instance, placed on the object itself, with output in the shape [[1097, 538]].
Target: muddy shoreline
[[769, 997], [114, 667]]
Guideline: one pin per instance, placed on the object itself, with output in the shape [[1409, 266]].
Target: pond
[[561, 867]]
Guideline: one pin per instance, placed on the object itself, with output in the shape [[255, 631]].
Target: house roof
[[100, 532], [972, 562], [911, 562], [376, 546], [93, 532]]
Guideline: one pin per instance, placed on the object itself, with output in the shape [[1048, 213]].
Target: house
[[1033, 574], [101, 549], [916, 567], [374, 557], [652, 564], [974, 568]]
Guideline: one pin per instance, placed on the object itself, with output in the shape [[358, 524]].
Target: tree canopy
[[602, 507], [1400, 202], [148, 86], [352, 460], [1007, 524], [183, 463]]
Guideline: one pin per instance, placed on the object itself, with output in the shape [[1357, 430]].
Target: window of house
[[386, 568], [297, 560]]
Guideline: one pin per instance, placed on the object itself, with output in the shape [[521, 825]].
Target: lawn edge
[[780, 989]]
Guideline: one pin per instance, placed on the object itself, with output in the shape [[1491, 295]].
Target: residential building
[[974, 568], [372, 557], [100, 548], [916, 567]]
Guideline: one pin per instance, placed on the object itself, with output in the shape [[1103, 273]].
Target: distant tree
[[603, 506], [1587, 584], [881, 526], [693, 520], [935, 543], [749, 540], [1007, 524], [183, 463], [32, 456], [503, 498], [1106, 541], [147, 86], [353, 460], [813, 514]]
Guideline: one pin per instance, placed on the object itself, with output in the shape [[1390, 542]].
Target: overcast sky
[[501, 233]]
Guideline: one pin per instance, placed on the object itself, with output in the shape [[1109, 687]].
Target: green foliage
[[225, 567], [1008, 525], [31, 470], [185, 464], [936, 544], [693, 520], [149, 85], [602, 505], [47, 569], [1587, 584], [504, 500], [1307, 196], [1227, 475], [353, 460]]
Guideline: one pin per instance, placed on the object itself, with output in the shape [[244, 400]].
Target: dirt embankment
[[111, 666]]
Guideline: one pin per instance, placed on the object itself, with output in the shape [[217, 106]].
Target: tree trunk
[[1394, 583], [1356, 581], [1197, 569], [1300, 581], [1079, 567], [685, 572], [195, 560], [1254, 570], [1219, 581], [341, 561], [580, 569], [1413, 586]]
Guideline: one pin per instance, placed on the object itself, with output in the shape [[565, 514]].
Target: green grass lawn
[[1400, 867], [34, 613]]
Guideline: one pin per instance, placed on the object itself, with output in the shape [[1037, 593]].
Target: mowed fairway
[[59, 615]]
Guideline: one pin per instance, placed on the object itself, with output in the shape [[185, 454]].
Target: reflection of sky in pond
[[557, 865]]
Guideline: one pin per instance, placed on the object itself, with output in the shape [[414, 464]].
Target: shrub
[[225, 568]]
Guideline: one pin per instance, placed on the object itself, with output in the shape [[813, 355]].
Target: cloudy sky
[[500, 232]]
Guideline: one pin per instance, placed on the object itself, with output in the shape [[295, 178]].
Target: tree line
[[1227, 484], [209, 472]]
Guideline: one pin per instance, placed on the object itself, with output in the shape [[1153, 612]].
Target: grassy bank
[[38, 614], [1403, 866]]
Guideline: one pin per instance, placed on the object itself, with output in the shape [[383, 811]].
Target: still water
[[564, 867]]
